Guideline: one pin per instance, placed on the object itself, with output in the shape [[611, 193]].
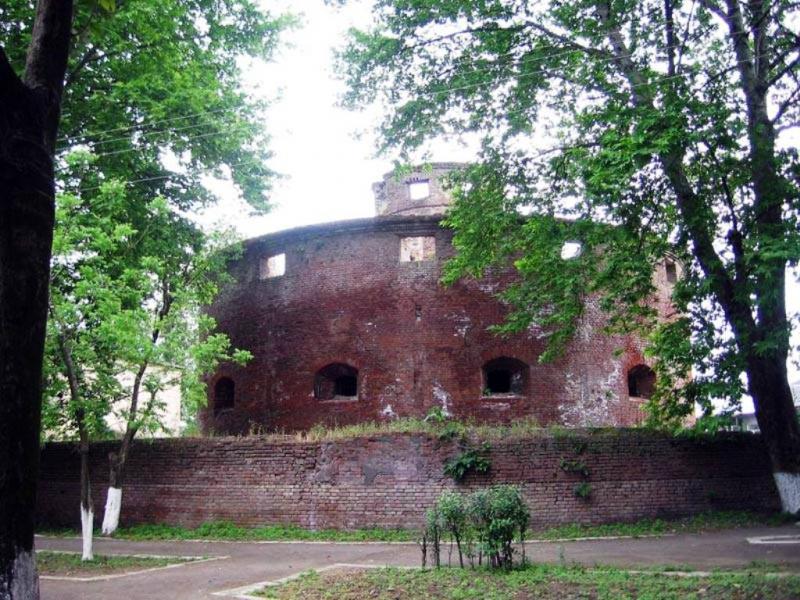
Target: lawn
[[69, 564], [221, 530], [543, 582]]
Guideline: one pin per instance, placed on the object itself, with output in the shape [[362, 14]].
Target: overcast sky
[[328, 171]]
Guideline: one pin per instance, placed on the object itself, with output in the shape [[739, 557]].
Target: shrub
[[483, 524]]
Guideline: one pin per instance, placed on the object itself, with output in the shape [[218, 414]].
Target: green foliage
[[436, 415], [156, 78], [470, 460], [482, 525], [574, 466], [658, 150], [583, 490], [127, 288]]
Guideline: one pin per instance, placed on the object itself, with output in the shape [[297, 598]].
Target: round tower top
[[418, 192]]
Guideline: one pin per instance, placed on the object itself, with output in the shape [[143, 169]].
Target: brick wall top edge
[[368, 224]]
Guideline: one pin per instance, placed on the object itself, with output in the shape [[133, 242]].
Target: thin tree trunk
[[29, 115], [87, 509], [118, 460]]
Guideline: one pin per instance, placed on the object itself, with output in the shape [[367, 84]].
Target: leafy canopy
[[154, 78], [126, 298], [639, 129]]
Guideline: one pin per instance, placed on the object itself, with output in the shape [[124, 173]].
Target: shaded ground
[[249, 563], [70, 564]]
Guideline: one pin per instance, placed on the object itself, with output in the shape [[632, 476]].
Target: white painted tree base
[[788, 485], [87, 525], [24, 584], [113, 506]]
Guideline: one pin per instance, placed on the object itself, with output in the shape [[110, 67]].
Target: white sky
[[328, 171]]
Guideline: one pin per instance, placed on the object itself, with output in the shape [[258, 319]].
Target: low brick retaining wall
[[389, 480]]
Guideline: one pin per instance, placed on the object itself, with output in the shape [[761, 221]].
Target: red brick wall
[[389, 480], [347, 298]]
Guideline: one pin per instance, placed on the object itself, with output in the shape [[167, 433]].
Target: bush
[[471, 459], [483, 524]]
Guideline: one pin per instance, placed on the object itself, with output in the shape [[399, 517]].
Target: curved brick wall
[[390, 480], [346, 297]]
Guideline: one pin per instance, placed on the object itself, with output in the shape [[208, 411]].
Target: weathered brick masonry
[[363, 299], [389, 480]]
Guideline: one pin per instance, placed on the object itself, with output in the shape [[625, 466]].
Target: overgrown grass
[[536, 581], [68, 563], [436, 427], [226, 531]]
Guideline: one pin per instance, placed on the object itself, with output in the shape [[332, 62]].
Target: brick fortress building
[[347, 322]]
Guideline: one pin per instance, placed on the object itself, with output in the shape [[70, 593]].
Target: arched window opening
[[641, 381], [337, 380], [224, 393], [505, 375]]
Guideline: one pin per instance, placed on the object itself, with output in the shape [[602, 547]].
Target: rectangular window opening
[[416, 249], [272, 266], [419, 190]]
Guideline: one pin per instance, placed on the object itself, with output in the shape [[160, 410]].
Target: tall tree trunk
[[29, 114], [26, 229], [766, 369], [777, 420]]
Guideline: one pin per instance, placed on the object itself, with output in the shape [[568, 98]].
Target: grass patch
[[446, 428], [535, 581], [437, 425], [70, 564], [226, 531], [708, 521]]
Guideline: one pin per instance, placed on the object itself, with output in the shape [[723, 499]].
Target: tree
[[124, 301], [142, 77], [153, 90], [667, 119], [159, 78], [30, 107]]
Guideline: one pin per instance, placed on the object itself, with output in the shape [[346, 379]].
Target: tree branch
[[786, 69], [785, 105], [689, 204]]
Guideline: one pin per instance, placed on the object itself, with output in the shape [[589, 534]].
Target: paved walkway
[[242, 564]]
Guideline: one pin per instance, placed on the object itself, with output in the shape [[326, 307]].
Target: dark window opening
[[671, 271], [224, 392], [498, 381], [337, 380], [346, 385], [505, 375], [641, 381]]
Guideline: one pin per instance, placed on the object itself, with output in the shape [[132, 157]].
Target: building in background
[[348, 322], [747, 421]]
